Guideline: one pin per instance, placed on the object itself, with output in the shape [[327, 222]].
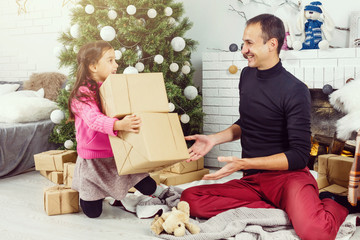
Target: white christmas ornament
[[107, 33], [99, 27], [172, 21], [140, 66], [76, 49], [118, 54], [75, 31], [130, 70], [190, 92], [185, 118], [112, 14], [168, 11], [159, 59], [187, 63], [174, 67], [178, 44], [131, 9], [171, 107], [68, 144], [89, 9], [185, 69], [68, 87], [58, 131], [151, 13], [123, 49], [57, 116]]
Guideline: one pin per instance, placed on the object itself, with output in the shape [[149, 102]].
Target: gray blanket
[[248, 224], [18, 144]]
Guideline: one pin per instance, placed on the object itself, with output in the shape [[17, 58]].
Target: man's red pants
[[295, 192]]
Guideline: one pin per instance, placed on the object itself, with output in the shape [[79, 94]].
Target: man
[[274, 128]]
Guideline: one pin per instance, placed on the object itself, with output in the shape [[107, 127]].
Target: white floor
[[22, 215]]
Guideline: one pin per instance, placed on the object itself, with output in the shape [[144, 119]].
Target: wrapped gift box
[[159, 143], [333, 173], [184, 167], [68, 175], [61, 200], [54, 160], [55, 177], [169, 178], [124, 94]]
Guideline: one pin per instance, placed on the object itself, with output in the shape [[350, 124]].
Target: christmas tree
[[148, 36]]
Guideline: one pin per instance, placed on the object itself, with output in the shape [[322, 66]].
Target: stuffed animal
[[175, 221], [289, 36], [346, 100], [52, 82], [316, 28]]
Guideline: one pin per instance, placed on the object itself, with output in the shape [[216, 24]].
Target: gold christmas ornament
[[233, 69]]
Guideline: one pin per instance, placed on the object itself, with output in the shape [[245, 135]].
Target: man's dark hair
[[271, 27]]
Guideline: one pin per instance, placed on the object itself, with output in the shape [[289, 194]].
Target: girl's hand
[[130, 123]]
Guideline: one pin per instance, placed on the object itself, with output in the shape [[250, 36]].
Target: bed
[[25, 125], [19, 142]]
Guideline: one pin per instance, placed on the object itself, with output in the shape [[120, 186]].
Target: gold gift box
[[54, 160], [60, 200]]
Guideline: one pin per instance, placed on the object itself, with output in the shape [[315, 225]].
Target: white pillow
[[8, 88], [27, 93], [25, 109]]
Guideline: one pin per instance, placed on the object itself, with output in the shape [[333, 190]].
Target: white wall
[[217, 27], [27, 41]]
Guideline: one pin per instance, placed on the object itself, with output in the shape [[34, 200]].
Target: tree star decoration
[[65, 2], [22, 7]]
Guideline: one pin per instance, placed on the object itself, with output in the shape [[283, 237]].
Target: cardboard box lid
[[123, 94], [160, 137]]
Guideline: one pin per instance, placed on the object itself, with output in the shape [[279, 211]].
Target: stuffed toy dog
[[316, 28]]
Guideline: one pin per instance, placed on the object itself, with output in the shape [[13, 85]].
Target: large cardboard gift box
[[185, 167], [169, 178], [124, 94], [61, 200], [333, 173], [159, 143], [54, 160]]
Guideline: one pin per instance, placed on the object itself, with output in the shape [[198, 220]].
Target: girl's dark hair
[[88, 54], [271, 27]]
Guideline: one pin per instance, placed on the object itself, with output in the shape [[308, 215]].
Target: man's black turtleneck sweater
[[275, 110]]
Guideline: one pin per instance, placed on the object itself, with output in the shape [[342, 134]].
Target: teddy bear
[[316, 28], [175, 221]]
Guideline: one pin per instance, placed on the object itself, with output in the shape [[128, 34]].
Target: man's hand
[[203, 144], [233, 164]]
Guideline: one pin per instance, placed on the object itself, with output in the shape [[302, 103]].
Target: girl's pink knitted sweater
[[92, 128]]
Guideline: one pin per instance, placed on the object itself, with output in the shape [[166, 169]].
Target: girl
[[95, 175]]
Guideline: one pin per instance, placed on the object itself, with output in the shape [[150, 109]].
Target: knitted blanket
[[250, 223], [354, 176]]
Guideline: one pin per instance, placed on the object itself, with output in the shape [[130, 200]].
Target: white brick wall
[[28, 40], [220, 88]]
